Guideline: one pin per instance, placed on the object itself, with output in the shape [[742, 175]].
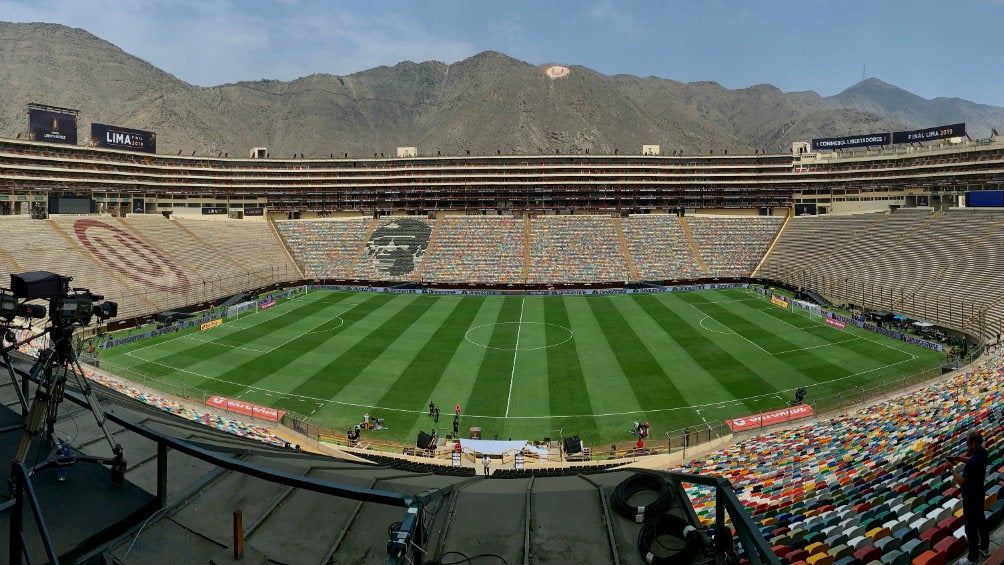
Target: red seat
[[951, 523], [868, 554], [797, 555], [935, 534], [952, 547]]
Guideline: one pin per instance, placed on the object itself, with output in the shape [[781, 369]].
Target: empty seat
[[929, 557], [797, 555], [820, 559], [915, 547], [934, 535], [868, 554], [904, 534], [878, 533], [817, 547], [888, 544], [896, 557], [859, 542], [840, 551], [951, 546]]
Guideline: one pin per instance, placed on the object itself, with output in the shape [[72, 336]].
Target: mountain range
[[487, 104]]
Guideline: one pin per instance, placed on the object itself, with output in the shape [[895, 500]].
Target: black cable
[[678, 540], [464, 558], [637, 483]]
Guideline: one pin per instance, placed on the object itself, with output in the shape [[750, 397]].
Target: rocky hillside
[[488, 104]]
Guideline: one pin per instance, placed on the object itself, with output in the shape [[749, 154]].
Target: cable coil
[[638, 483], [684, 540]]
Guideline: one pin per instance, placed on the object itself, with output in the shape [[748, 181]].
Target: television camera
[[69, 309]]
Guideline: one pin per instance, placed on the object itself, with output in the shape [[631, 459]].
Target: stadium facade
[[121, 182]]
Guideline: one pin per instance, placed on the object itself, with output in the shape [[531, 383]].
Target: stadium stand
[[393, 250], [151, 264], [733, 246], [488, 249], [837, 487], [660, 248], [566, 249], [939, 267], [325, 248]]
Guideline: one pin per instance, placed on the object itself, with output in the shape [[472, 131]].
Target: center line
[[512, 376]]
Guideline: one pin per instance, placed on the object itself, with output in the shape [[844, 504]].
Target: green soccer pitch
[[523, 367]]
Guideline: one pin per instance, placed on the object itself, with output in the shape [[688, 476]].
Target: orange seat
[[929, 557], [823, 559]]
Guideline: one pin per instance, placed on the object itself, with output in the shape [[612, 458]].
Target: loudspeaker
[[573, 444], [423, 440]]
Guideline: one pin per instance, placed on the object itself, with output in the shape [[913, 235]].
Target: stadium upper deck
[[139, 182]]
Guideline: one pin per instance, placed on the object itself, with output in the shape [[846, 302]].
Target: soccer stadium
[[622, 358]]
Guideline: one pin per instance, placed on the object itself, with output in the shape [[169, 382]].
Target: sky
[[931, 48]]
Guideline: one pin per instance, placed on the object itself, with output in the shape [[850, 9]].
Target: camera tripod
[[55, 365]]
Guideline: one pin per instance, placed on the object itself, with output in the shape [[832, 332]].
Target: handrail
[[412, 503]]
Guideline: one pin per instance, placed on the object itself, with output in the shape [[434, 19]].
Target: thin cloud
[[613, 18]]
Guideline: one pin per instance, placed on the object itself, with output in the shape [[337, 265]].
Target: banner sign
[[939, 132], [246, 408], [935, 346], [851, 141], [266, 304], [214, 210], [985, 198], [254, 211], [554, 292], [138, 205], [836, 323], [776, 301], [770, 418], [210, 325], [52, 127], [114, 137], [161, 331]]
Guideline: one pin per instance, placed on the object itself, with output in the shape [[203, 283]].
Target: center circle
[[531, 335]]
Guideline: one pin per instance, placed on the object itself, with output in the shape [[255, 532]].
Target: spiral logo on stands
[[130, 257]]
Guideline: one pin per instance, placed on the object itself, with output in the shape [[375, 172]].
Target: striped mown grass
[[524, 367]]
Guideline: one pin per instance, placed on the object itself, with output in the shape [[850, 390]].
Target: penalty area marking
[[727, 331]]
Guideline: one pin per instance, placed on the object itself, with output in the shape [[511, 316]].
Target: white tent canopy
[[498, 447]]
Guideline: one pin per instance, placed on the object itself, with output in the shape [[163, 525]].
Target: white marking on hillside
[[557, 71]]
